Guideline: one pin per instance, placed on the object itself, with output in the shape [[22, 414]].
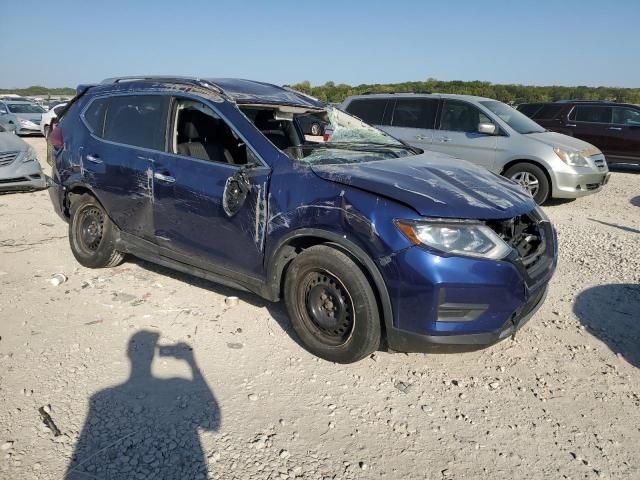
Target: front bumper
[[22, 176], [404, 341], [579, 183], [454, 303], [28, 130]]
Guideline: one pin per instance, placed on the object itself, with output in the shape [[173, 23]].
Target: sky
[[67, 42]]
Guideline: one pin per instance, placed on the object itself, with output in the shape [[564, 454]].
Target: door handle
[[444, 139], [164, 178], [93, 159], [421, 137], [616, 128], [571, 125]]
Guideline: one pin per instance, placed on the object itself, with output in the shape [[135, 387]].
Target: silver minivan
[[491, 134]]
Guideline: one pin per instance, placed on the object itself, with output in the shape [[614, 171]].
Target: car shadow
[[612, 314], [277, 310], [554, 202], [635, 201], [615, 225], [147, 427], [625, 168]]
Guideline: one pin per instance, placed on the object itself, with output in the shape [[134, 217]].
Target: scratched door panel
[[190, 219]]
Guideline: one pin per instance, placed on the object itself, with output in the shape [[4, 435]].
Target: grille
[[13, 180], [533, 241], [599, 161], [7, 158], [526, 237]]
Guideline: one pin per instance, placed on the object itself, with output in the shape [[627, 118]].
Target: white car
[[45, 123]]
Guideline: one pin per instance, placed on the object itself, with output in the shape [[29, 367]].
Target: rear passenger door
[[128, 133], [592, 123], [413, 120], [458, 135]]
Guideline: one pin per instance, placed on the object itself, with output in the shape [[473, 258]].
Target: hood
[[554, 139], [11, 143], [435, 185]]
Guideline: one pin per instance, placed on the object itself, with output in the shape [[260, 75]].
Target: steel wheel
[[91, 228], [327, 307], [528, 181]]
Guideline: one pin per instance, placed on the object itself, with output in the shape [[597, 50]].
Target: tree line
[[39, 91], [512, 94]]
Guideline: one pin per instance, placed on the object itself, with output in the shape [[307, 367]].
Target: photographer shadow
[[147, 427], [612, 314]]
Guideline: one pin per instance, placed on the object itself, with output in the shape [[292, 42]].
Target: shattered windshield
[[346, 139], [349, 129], [324, 136]]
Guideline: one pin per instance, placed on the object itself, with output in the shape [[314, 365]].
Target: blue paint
[[353, 205]]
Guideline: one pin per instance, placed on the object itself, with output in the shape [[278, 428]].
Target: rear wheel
[[531, 178], [332, 305], [92, 235]]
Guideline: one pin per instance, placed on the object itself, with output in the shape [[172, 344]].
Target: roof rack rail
[[163, 78]]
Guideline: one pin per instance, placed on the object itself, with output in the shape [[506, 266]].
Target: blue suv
[[370, 242]]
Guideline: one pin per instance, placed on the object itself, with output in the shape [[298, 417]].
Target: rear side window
[[414, 113], [546, 112], [370, 110], [94, 116], [461, 117], [137, 120], [591, 114]]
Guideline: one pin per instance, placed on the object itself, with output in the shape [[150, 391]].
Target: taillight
[[55, 137]]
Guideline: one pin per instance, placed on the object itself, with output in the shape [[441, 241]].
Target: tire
[[532, 179], [332, 305], [92, 235], [316, 130]]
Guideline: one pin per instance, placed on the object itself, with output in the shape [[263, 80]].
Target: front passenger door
[[458, 135], [192, 217], [625, 142]]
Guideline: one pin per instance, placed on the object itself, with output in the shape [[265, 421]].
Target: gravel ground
[[232, 395]]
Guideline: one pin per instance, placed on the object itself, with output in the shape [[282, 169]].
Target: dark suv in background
[[612, 127]]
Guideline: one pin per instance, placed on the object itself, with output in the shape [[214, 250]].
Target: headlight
[[575, 159], [29, 155], [471, 239]]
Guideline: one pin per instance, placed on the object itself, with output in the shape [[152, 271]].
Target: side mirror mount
[[487, 128]]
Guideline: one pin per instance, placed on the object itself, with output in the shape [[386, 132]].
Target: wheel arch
[[297, 241], [538, 164], [77, 190]]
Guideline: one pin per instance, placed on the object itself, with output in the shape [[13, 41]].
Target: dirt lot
[[561, 401]]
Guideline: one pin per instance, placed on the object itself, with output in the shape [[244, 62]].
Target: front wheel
[[332, 305], [532, 179], [92, 235]]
